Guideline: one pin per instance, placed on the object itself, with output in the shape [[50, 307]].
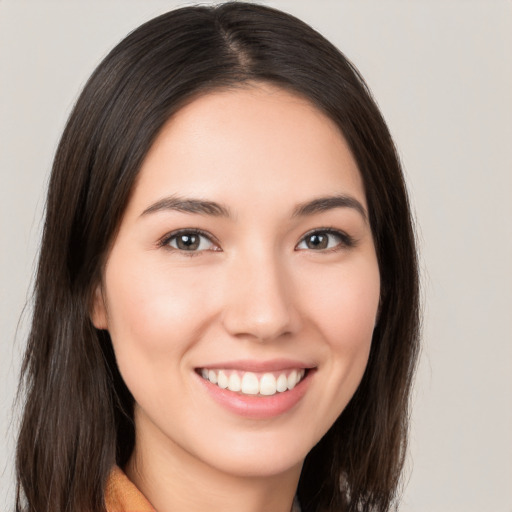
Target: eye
[[189, 240], [325, 239]]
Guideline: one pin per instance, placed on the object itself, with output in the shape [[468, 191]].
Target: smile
[[254, 383]]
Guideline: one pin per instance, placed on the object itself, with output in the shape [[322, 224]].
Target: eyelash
[[166, 240], [345, 240]]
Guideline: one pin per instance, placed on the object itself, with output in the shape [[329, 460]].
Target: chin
[[258, 455]]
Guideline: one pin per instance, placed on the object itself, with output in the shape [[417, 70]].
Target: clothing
[[121, 495]]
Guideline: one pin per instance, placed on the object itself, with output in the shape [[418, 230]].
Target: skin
[[257, 291]]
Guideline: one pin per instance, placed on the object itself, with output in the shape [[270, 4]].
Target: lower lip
[[258, 407]]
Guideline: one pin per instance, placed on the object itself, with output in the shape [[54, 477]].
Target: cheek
[[341, 307], [344, 303], [343, 310], [152, 313]]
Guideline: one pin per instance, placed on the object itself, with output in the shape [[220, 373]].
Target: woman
[[226, 305]]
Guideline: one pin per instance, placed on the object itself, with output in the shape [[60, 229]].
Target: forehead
[[254, 142]]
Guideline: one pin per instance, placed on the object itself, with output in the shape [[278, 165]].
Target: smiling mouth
[[254, 383]]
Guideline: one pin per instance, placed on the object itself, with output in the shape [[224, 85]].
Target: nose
[[259, 299]]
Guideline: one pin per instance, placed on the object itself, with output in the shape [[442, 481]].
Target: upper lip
[[251, 365]]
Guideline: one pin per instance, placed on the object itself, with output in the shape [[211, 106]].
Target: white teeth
[[268, 385], [282, 383], [235, 384], [292, 379], [222, 380], [250, 384]]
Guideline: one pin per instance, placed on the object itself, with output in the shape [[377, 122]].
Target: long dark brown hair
[[78, 413]]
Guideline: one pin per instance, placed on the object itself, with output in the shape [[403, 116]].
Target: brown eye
[[190, 241], [325, 240], [317, 241], [187, 242]]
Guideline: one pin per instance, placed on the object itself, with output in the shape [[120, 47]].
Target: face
[[242, 288]]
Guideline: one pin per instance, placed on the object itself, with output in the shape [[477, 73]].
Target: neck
[[173, 480]]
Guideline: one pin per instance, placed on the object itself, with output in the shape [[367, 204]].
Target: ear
[[98, 310]]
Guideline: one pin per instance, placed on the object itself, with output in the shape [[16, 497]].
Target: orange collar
[[121, 495]]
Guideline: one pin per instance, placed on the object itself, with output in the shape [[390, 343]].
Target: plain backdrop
[[441, 72]]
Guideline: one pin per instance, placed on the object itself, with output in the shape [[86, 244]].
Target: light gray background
[[442, 73]]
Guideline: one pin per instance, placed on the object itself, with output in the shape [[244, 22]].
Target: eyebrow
[[211, 208], [322, 204], [188, 205]]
